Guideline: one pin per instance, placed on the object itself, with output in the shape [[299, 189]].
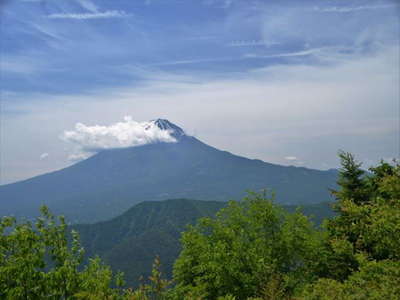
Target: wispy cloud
[[349, 9], [312, 51], [244, 57], [88, 16], [88, 5], [300, 102], [290, 157], [300, 87], [201, 38], [306, 52], [79, 156], [293, 160], [43, 156], [219, 3], [45, 31], [195, 61], [252, 43]]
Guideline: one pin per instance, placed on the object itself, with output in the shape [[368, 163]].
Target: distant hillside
[[130, 241], [110, 182]]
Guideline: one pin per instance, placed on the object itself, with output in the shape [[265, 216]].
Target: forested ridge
[[251, 249], [131, 241]]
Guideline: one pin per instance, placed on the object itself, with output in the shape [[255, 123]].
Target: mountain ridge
[[131, 241], [111, 181]]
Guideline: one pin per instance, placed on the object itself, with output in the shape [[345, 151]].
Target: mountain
[[111, 181], [131, 241]]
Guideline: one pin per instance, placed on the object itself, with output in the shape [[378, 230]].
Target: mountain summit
[[174, 130], [113, 180]]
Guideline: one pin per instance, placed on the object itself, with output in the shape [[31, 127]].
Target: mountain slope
[[111, 181], [131, 241]]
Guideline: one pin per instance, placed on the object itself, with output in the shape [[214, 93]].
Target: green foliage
[[351, 180], [25, 256], [364, 239], [249, 245], [252, 249], [156, 289], [131, 241], [375, 280], [37, 261], [371, 226]]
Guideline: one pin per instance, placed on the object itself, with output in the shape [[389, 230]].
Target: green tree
[[351, 180], [39, 261], [250, 245], [375, 280], [371, 226], [364, 239]]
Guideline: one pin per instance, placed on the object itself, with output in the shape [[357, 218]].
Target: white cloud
[[297, 25], [193, 61], [88, 5], [219, 3], [317, 52], [290, 157], [88, 16], [79, 156], [129, 133], [43, 156], [351, 104], [349, 9], [252, 43]]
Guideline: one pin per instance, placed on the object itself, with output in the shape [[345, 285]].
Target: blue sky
[[289, 82]]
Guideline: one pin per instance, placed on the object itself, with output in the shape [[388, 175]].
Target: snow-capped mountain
[[173, 129]]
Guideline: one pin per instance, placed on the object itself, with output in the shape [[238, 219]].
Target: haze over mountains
[[113, 180]]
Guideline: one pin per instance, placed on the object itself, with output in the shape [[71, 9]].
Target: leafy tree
[[375, 280], [371, 226], [364, 238], [252, 249], [351, 180], [157, 284], [250, 245], [38, 261]]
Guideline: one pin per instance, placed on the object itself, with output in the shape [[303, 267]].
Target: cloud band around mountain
[[128, 133]]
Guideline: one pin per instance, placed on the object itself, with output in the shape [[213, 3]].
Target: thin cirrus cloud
[[128, 133], [332, 51], [252, 43], [349, 9], [88, 16], [88, 5]]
